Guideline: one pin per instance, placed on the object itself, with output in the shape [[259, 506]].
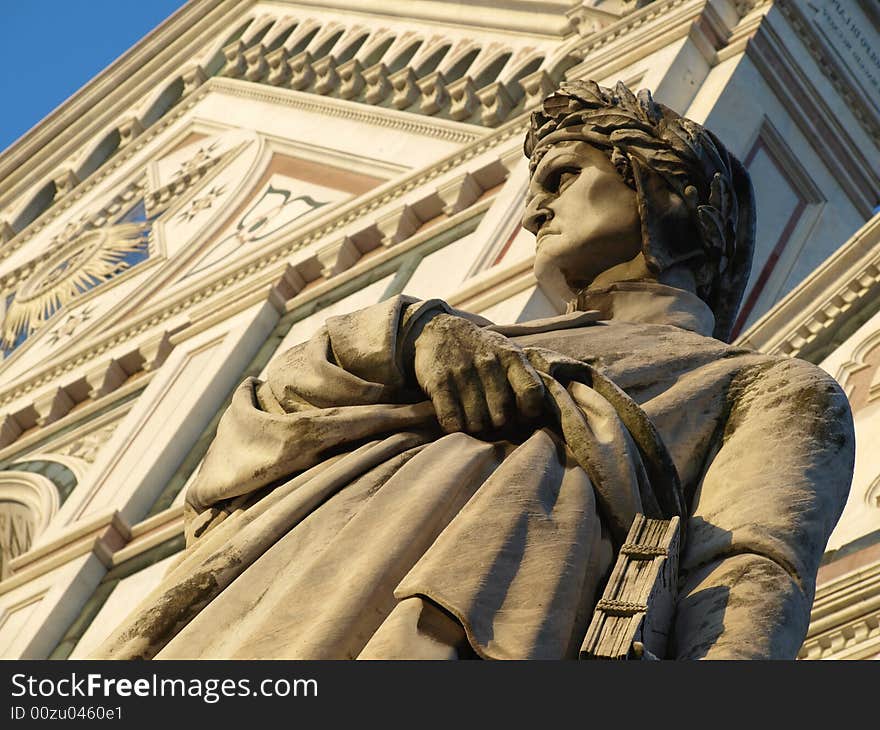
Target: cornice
[[830, 68], [108, 536], [23, 446], [845, 620], [102, 535], [544, 17], [267, 268], [104, 171], [389, 118], [656, 26], [332, 107], [806, 318], [75, 125], [586, 47]]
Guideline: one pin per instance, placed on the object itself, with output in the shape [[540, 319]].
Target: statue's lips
[[542, 234]]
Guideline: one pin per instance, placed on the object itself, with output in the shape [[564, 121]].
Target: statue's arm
[[402, 351], [358, 378], [763, 514], [357, 358]]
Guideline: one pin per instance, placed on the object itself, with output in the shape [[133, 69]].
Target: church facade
[[252, 167]]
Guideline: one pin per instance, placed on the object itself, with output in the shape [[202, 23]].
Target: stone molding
[[808, 315], [817, 120], [845, 621], [34, 491], [102, 536], [270, 260], [333, 107], [831, 69], [114, 92]]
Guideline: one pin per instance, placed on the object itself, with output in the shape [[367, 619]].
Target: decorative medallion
[[83, 263], [69, 325], [194, 164], [203, 202]]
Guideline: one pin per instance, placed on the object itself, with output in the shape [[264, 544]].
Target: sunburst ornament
[[86, 261]]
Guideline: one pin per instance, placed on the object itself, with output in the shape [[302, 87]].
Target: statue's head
[[623, 188]]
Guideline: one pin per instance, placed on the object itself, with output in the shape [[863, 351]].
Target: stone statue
[[416, 482]]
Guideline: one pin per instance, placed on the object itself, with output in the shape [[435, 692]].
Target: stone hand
[[476, 379]]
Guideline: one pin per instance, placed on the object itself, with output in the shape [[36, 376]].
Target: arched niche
[[326, 45], [301, 43], [432, 60], [42, 200], [279, 39], [350, 47], [255, 38], [527, 68], [460, 66], [218, 60], [491, 70], [404, 57], [167, 99], [102, 152], [28, 501]]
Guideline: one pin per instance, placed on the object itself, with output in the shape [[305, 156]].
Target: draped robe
[[332, 518]]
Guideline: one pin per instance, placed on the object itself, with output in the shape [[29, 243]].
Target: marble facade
[[278, 162]]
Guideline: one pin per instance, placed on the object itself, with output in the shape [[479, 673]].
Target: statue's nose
[[536, 214]]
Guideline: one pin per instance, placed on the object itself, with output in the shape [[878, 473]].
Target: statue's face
[[584, 216]]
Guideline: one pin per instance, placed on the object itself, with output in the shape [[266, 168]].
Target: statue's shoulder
[[772, 372], [793, 396]]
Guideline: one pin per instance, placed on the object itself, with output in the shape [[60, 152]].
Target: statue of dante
[[416, 482]]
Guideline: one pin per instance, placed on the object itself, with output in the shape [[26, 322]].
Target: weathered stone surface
[[416, 482]]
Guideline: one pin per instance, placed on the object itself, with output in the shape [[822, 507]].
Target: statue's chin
[[552, 280]]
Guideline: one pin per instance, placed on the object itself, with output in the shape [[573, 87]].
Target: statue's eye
[[564, 179]]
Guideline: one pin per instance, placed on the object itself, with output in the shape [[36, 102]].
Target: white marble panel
[[127, 594]]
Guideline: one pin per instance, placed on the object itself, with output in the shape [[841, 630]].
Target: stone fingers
[[500, 399], [444, 395], [472, 399], [526, 385]]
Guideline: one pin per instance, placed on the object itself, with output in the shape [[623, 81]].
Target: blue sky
[[51, 48]]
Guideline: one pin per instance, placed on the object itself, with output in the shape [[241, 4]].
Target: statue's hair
[[654, 149]]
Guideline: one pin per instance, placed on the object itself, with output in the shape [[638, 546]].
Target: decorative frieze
[[128, 130], [378, 84], [351, 79], [302, 74], [236, 64], [279, 67], [405, 87], [433, 94]]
